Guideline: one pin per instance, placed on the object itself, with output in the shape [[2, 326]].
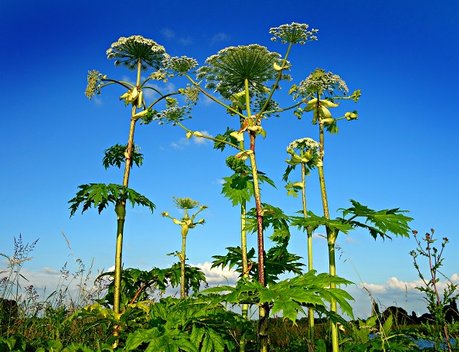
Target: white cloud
[[219, 37], [319, 236], [218, 275], [395, 284], [184, 142], [200, 140], [206, 101], [168, 33], [185, 41]]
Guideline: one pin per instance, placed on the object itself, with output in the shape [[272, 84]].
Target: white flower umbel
[[130, 50], [294, 33]]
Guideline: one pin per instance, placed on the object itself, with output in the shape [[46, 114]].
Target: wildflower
[[185, 203], [191, 93], [93, 86], [182, 64], [227, 71], [136, 49], [320, 82], [294, 33], [304, 150], [159, 75]]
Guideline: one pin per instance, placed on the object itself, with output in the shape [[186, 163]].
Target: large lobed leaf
[[378, 223], [100, 195]]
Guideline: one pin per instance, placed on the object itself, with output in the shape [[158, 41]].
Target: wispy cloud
[[168, 33], [395, 284], [182, 143], [219, 38], [165, 88], [185, 41]]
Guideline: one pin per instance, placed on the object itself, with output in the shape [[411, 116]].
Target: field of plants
[[278, 302]]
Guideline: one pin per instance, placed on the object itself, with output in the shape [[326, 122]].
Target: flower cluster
[[131, 50], [159, 75], [303, 144], [94, 82], [227, 71], [191, 93], [294, 33], [182, 64], [304, 150], [321, 82], [185, 203]]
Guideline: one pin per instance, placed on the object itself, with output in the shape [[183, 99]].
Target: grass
[[71, 319]]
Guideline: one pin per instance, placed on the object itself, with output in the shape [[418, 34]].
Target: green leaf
[[378, 223], [222, 140], [99, 195], [273, 217], [312, 222], [115, 156], [238, 189]]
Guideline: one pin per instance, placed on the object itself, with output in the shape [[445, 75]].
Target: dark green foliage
[[233, 259], [99, 195], [224, 139], [137, 285], [115, 156], [278, 260], [274, 218], [378, 223], [191, 324], [288, 297], [313, 221], [239, 187]]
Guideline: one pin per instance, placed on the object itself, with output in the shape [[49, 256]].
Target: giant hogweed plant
[[245, 78], [139, 54], [303, 152], [186, 223], [318, 93]]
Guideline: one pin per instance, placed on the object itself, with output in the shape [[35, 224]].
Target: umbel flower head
[[294, 33], [94, 81], [130, 50], [182, 64], [185, 203], [304, 150], [321, 82], [227, 71]]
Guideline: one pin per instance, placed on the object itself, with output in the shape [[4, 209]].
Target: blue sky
[[402, 152]]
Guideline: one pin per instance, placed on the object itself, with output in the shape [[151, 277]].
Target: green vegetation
[[297, 310]]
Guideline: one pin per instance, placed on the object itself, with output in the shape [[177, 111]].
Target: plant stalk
[[122, 205], [331, 236], [183, 292], [309, 246]]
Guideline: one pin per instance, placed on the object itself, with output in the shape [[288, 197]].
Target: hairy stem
[[122, 205], [183, 291], [245, 263], [309, 245], [331, 235]]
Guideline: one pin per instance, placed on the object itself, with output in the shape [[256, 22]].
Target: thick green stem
[[331, 235], [263, 328], [309, 246], [118, 263], [121, 207], [263, 309], [183, 291], [245, 262], [276, 83]]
